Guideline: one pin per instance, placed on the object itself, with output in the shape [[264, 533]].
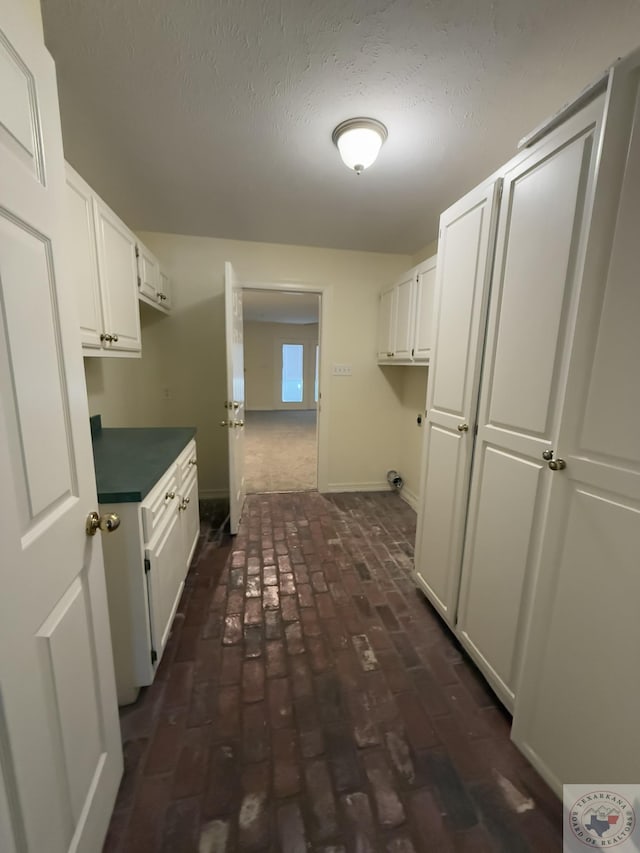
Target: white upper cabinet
[[118, 280], [405, 323], [148, 273], [424, 303], [102, 266], [154, 286], [164, 292], [82, 260], [386, 324]]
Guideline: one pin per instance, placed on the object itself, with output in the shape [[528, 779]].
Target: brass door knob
[[463, 427], [107, 523], [557, 464], [547, 455], [236, 405]]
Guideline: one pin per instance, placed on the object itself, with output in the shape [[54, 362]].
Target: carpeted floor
[[280, 451]]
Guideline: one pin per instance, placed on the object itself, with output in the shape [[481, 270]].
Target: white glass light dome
[[359, 141]]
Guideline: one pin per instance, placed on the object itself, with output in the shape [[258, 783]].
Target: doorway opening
[[282, 374]]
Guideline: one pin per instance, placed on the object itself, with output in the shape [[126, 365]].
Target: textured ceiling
[[271, 306], [214, 117]]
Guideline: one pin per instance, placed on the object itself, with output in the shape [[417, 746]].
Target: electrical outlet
[[342, 370]]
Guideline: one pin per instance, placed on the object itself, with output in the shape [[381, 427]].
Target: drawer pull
[[185, 503], [195, 461], [169, 496]]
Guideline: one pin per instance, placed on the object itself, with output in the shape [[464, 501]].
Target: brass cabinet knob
[[547, 455], [106, 337], [463, 427], [239, 423], [114, 338], [169, 496], [107, 523], [194, 461]]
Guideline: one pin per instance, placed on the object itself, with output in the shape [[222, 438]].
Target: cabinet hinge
[[147, 565], [475, 429], [154, 656], [412, 352], [139, 282], [500, 190], [137, 252]]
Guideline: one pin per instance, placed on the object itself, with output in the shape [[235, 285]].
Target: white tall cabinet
[[465, 248], [529, 526]]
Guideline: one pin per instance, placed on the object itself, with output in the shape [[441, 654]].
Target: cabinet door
[[164, 291], [190, 519], [386, 324], [532, 311], [165, 580], [148, 273], [465, 251], [405, 316], [424, 320], [579, 673], [82, 259], [118, 279]]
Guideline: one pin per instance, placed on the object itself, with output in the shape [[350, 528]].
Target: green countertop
[[129, 462]]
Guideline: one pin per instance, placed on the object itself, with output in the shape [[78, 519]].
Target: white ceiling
[[271, 306], [214, 117]]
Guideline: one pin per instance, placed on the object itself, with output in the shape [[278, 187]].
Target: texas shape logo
[[602, 819]]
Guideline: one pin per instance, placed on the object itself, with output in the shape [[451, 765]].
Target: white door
[[465, 251], [235, 393], [60, 753], [425, 300], [577, 710], [534, 291], [405, 312]]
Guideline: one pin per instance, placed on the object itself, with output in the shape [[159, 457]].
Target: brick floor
[[310, 699]]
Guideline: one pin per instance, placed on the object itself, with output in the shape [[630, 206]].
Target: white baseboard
[[410, 497], [381, 486], [213, 494]]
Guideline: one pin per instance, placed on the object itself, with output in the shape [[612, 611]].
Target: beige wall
[[262, 364], [180, 379], [409, 387], [426, 252]]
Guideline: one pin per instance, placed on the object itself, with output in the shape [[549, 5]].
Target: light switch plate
[[342, 370]]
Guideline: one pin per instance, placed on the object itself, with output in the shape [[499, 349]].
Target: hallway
[[309, 699]]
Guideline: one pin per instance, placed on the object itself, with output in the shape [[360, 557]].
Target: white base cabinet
[[146, 561]]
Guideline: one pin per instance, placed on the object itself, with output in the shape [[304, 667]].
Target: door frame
[[324, 291]]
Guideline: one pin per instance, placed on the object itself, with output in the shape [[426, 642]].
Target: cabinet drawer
[[187, 462], [160, 500]]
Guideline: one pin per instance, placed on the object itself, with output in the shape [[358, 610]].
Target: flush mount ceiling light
[[359, 141]]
